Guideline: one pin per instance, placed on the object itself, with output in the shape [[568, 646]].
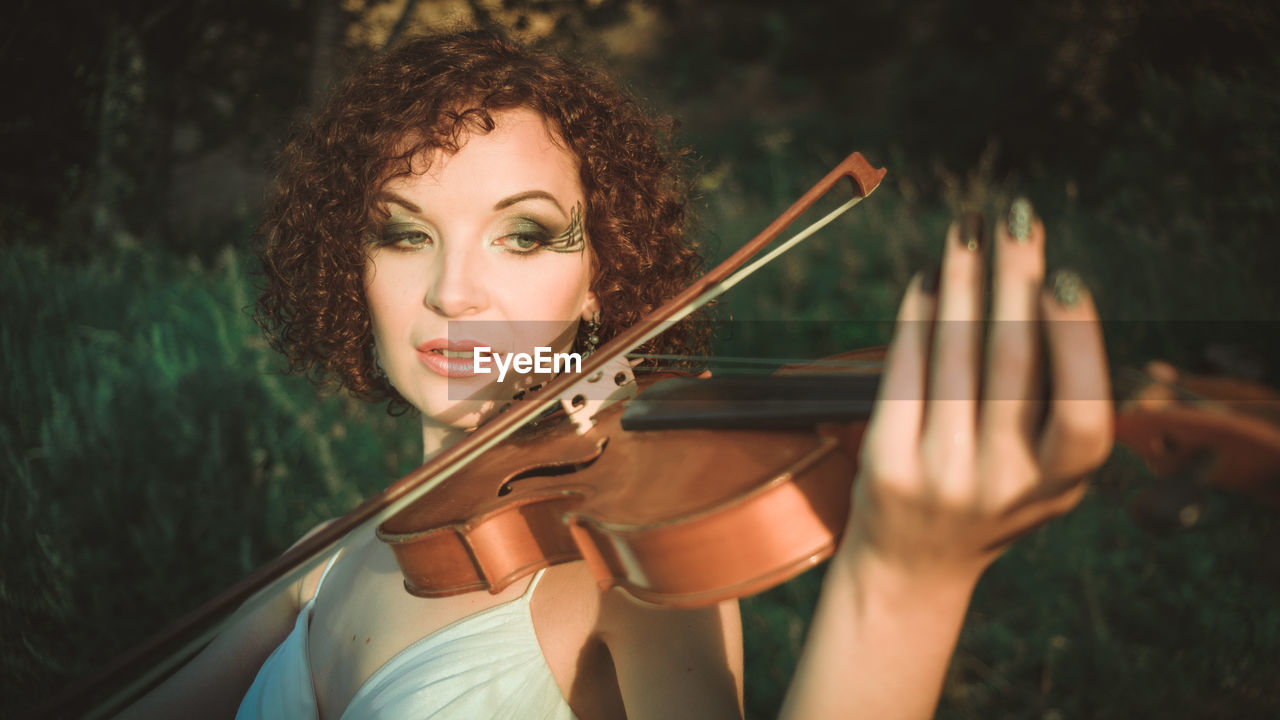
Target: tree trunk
[[325, 41]]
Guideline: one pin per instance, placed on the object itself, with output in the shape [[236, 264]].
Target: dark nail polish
[[1067, 288], [971, 231], [1021, 215], [929, 280]]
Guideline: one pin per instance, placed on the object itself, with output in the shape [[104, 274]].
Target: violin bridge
[[592, 393]]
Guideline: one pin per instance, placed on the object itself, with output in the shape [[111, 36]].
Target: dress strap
[[325, 573], [528, 593]]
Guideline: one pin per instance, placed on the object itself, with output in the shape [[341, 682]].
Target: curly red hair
[[429, 93]]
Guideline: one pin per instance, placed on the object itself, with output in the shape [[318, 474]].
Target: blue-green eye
[[524, 236], [403, 235], [523, 243]]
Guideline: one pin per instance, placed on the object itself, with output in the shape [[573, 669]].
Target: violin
[[677, 507], [702, 490]]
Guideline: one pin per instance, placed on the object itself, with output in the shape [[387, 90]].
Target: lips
[[452, 359]]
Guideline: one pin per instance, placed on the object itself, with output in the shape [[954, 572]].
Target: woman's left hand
[[962, 454]]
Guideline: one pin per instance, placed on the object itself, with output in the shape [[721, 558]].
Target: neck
[[436, 437]]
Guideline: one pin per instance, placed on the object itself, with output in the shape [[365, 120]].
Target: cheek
[[386, 300], [551, 292]]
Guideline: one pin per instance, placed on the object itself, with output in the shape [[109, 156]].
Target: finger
[[1078, 433], [1011, 387], [949, 424], [900, 404]]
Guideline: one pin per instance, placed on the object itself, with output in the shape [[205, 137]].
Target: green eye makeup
[[524, 237], [528, 236], [403, 235]]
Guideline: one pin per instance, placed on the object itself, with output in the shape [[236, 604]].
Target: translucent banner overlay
[[1014, 360]]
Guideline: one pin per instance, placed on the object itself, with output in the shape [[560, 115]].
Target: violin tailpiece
[[586, 398]]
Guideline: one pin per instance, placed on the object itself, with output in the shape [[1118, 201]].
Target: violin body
[[680, 517]]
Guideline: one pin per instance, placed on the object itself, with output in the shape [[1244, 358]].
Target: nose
[[456, 287]]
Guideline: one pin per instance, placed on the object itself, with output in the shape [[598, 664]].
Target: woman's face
[[485, 248]]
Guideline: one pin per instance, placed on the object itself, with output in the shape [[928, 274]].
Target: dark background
[[151, 455]]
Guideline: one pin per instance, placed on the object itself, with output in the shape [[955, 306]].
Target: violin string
[[749, 361]]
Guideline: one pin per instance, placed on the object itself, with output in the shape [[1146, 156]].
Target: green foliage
[[1089, 614], [773, 628], [137, 120], [151, 454]]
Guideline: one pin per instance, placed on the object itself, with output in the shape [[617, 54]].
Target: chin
[[460, 403]]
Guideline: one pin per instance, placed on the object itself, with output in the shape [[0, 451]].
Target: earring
[[378, 372], [593, 335]]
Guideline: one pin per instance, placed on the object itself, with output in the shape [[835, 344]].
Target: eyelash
[[538, 238], [394, 234], [396, 238], [570, 240]]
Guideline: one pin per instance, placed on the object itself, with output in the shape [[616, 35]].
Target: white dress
[[487, 665]]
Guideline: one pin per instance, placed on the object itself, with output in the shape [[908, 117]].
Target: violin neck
[[773, 402]]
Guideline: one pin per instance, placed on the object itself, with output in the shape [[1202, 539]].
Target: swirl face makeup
[[482, 247]]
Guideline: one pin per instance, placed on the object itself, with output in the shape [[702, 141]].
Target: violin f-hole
[[556, 469]]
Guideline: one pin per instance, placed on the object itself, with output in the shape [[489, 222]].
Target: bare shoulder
[[304, 587]]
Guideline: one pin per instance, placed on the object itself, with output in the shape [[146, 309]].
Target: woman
[[461, 191]]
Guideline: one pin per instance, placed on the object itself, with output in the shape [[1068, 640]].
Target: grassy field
[[152, 455]]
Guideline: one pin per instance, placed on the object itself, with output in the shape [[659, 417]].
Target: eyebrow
[[529, 195], [500, 205], [402, 202]]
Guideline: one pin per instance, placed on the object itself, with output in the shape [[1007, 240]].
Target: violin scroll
[[1196, 432]]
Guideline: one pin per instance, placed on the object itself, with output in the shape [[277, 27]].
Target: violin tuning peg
[[1162, 372]]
